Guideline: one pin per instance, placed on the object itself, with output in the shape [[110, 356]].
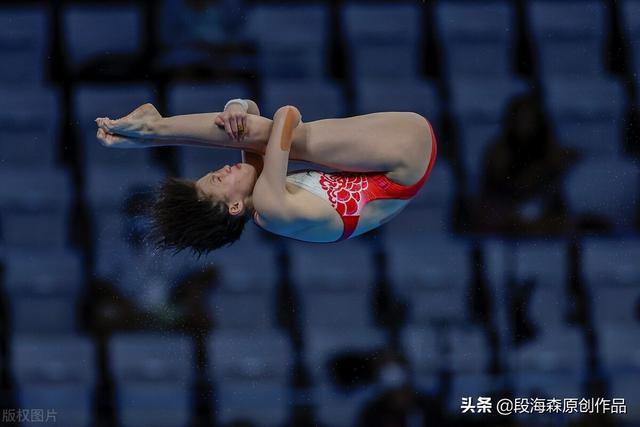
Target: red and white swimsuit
[[349, 192]]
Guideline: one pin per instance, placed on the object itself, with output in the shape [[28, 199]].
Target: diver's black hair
[[182, 220]]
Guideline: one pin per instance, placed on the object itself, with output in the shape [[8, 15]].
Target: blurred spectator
[[106, 310], [137, 223], [190, 28], [241, 424], [523, 170], [192, 22], [156, 291], [351, 369], [522, 328], [399, 403], [189, 299], [632, 131]]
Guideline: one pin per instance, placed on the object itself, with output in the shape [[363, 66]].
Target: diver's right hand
[[234, 122]]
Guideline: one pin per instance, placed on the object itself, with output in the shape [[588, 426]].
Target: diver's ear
[[236, 208]]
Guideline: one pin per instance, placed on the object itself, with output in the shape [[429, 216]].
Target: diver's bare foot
[[119, 141], [138, 124]]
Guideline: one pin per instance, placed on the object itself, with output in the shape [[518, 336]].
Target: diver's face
[[229, 184]]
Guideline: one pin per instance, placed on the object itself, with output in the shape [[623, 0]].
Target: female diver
[[383, 160]]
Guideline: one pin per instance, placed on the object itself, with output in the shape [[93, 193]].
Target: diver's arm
[[252, 158], [270, 196]]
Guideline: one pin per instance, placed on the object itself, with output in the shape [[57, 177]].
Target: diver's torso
[[328, 224]]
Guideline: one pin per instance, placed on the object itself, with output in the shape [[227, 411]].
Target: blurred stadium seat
[[108, 187], [251, 374], [265, 354], [244, 298], [111, 246], [469, 362], [30, 202], [419, 96], [57, 374], [321, 344], [338, 295], [123, 256], [35, 230], [243, 309], [199, 97], [449, 265], [107, 100], [570, 47], [477, 38], [620, 351], [48, 283], [630, 16], [494, 266], [334, 405], [382, 40], [259, 402], [153, 376], [88, 33], [528, 287], [24, 44], [605, 188], [423, 347], [299, 47], [316, 99], [552, 365], [247, 264], [543, 264], [36, 189], [469, 350], [43, 271], [431, 210], [339, 408], [612, 276], [433, 274], [425, 221], [588, 114], [29, 125]]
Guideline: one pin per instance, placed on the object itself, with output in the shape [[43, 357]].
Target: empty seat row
[[579, 121], [383, 40], [35, 208], [154, 375], [434, 275], [30, 122]]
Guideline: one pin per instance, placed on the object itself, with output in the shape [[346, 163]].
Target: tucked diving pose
[[382, 159]]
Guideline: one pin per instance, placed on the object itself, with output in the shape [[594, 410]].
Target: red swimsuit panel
[[349, 192]]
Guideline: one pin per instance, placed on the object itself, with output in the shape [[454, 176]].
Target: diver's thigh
[[371, 142]]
